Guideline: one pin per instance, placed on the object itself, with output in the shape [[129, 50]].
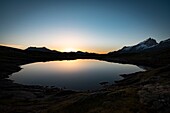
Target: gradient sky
[[95, 26]]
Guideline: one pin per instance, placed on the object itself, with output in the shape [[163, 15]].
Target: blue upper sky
[[90, 25]]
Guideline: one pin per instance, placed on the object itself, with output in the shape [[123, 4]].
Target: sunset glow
[[69, 50]]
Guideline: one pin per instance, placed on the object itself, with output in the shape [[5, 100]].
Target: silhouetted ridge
[[42, 49]]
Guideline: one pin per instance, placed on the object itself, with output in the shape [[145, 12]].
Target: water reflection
[[73, 74]]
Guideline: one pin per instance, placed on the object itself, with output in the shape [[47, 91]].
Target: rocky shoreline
[[149, 90]]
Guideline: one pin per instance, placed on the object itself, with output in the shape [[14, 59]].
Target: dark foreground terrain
[[141, 92]]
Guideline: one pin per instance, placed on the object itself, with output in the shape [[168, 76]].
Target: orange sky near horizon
[[94, 50]]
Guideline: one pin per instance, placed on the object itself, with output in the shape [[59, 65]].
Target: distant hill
[[44, 49], [40, 49]]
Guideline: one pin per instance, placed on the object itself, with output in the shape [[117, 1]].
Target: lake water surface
[[73, 74]]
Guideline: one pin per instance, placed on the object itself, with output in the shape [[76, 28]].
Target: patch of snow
[[127, 48]]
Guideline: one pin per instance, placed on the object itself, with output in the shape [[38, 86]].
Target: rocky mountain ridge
[[145, 46]]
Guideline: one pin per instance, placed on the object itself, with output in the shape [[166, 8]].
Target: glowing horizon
[[101, 51]]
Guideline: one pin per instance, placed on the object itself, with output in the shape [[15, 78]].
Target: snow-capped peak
[[148, 43]]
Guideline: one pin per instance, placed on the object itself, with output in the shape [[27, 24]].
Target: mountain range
[[147, 45]]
